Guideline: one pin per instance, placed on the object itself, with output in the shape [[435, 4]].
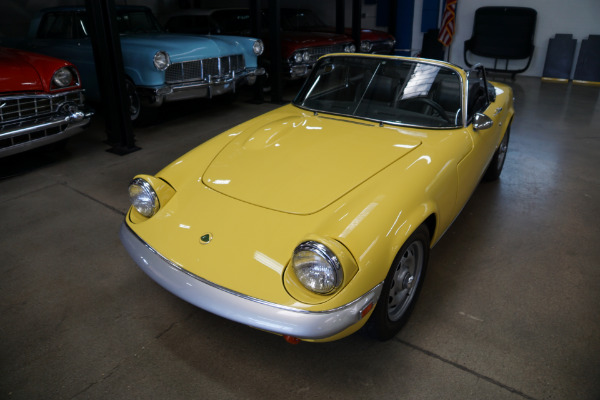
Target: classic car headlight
[[301, 56], [162, 60], [366, 46], [317, 267], [143, 197], [63, 77], [298, 57], [258, 47], [350, 48]]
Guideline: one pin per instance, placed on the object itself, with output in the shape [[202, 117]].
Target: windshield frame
[[460, 117]]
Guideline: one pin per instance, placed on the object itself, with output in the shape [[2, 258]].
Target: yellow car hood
[[299, 163]]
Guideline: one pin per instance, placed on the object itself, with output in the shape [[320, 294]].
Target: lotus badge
[[206, 238]]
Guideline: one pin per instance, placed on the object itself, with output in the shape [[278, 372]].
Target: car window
[[62, 25], [386, 90], [137, 21]]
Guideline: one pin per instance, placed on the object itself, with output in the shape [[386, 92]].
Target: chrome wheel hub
[[403, 285]]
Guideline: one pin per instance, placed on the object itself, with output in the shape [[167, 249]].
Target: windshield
[[396, 91], [137, 21], [300, 20]]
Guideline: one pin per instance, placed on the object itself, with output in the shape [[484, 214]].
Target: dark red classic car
[[303, 20], [41, 101]]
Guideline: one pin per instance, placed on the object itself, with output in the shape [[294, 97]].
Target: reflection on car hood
[[313, 38], [183, 47], [300, 163], [17, 73]]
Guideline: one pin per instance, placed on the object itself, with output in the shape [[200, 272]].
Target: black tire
[[401, 287], [495, 168], [134, 104]]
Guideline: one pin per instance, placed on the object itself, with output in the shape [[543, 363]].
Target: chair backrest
[[503, 32]]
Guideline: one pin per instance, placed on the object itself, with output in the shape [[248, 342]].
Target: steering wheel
[[427, 101]]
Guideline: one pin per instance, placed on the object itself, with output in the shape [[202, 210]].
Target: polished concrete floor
[[510, 308]]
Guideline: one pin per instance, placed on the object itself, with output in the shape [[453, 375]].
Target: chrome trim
[[328, 255], [205, 69], [213, 86], [248, 310], [317, 52], [377, 121], [146, 186], [40, 129]]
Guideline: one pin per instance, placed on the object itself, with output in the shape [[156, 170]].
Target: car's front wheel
[[401, 286], [133, 100]]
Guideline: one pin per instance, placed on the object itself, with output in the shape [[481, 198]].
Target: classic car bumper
[[299, 71], [238, 307], [40, 132], [198, 89]]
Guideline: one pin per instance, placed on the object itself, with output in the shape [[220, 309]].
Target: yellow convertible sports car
[[318, 217]]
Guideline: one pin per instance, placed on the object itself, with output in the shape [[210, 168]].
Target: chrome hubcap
[[403, 285], [502, 151]]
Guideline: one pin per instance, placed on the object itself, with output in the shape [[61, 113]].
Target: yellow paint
[[265, 186]]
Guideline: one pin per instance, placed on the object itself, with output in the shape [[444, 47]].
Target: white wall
[[578, 17]]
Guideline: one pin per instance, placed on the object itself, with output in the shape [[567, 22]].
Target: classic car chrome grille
[[203, 69], [14, 109], [19, 111], [316, 52]]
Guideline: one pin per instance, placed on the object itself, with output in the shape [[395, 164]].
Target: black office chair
[[503, 33]]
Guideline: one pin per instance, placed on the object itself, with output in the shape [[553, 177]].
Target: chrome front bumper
[[41, 132], [214, 86], [238, 307]]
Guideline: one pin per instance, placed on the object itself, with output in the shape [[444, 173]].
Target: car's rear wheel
[[401, 287], [495, 168]]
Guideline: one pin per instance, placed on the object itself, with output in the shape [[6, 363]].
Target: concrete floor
[[510, 308]]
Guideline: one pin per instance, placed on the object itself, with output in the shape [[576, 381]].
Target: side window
[[56, 26]]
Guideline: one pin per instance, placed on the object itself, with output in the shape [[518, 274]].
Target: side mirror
[[481, 122]]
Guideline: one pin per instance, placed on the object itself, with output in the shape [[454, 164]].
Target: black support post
[[111, 75], [392, 25], [256, 27], [340, 17], [356, 20], [275, 51]]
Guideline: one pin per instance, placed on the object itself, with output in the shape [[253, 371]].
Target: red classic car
[[303, 20], [41, 101], [300, 49]]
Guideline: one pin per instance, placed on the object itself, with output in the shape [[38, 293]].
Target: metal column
[[111, 75]]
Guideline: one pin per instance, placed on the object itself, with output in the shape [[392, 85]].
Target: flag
[[448, 22]]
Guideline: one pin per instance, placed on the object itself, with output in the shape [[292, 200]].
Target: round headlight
[[62, 77], [297, 57], [350, 48], [317, 267], [365, 46], [258, 47], [305, 56], [162, 60], [143, 197]]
